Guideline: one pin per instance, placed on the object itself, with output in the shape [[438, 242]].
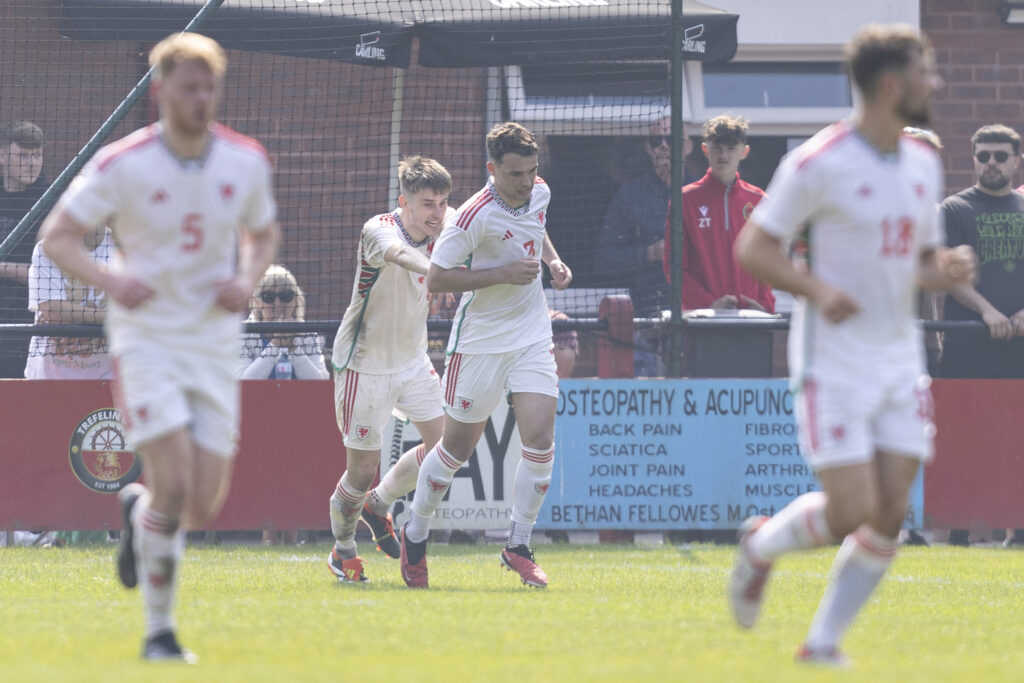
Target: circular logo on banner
[[99, 455]]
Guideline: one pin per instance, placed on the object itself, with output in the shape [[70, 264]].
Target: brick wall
[[326, 125], [981, 60]]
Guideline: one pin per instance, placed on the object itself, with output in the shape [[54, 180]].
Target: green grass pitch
[[611, 613]]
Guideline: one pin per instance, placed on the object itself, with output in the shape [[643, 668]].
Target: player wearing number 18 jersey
[[867, 198], [190, 204]]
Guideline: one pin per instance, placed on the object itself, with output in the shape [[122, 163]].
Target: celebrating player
[[500, 344], [867, 196], [380, 357], [179, 194]]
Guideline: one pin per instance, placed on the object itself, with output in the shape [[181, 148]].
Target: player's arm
[[256, 252], [63, 240], [561, 275], [762, 255], [521, 272], [404, 256]]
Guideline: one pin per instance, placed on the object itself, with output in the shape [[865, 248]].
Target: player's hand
[[522, 272], [561, 275], [437, 300], [128, 291], [725, 301], [999, 326], [656, 251], [233, 295], [750, 303], [835, 304], [959, 263]]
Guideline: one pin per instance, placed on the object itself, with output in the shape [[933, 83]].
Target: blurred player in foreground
[[381, 361], [191, 206], [500, 345], [868, 197]]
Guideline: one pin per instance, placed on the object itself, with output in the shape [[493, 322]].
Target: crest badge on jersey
[[463, 404], [362, 432], [99, 455]]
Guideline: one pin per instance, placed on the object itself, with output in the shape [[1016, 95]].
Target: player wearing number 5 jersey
[[500, 344], [191, 207], [867, 198]]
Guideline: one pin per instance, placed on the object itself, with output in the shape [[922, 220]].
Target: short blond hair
[[417, 173], [187, 47]]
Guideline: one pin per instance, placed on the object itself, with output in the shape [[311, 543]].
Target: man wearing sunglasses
[[381, 362], [989, 216], [632, 241]]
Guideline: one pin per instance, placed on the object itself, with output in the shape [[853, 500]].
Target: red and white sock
[[346, 504], [798, 526], [862, 560], [159, 547], [435, 477], [533, 477]]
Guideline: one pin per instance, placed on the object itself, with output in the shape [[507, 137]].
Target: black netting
[[338, 91]]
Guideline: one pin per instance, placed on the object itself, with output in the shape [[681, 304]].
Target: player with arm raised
[[867, 197], [191, 206], [381, 361], [500, 344]]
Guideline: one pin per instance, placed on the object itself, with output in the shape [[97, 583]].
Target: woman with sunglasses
[[278, 298]]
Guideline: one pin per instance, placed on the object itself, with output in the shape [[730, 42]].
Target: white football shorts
[[158, 390], [363, 402], [842, 422], [474, 383]]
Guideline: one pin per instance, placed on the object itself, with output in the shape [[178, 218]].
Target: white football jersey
[[484, 233], [384, 329], [176, 224], [868, 217]]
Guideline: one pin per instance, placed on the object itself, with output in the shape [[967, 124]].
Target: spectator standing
[[58, 299], [714, 209], [989, 217], [632, 241], [21, 159], [191, 206], [868, 195]]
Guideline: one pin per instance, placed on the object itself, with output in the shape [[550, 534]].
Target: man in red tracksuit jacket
[[714, 209]]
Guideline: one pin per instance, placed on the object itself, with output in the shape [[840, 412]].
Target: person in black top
[[989, 216], [21, 161]]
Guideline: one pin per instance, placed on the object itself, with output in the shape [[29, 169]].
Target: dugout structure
[[589, 76]]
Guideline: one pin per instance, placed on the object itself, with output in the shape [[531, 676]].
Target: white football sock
[[159, 547], [798, 526], [346, 504], [398, 480], [435, 476], [533, 477], [858, 567]]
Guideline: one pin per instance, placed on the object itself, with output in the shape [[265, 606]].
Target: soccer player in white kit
[[381, 362], [500, 344], [191, 206], [867, 198]]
